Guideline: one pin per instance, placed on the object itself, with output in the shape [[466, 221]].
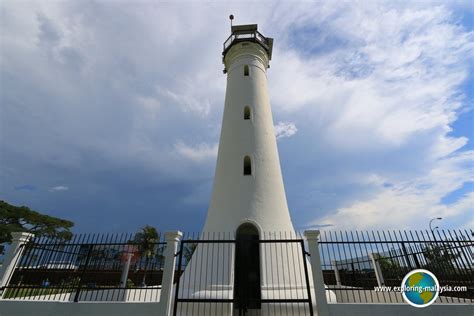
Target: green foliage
[[390, 268], [75, 281], [388, 264], [147, 239], [130, 284], [188, 250], [23, 219], [440, 258]]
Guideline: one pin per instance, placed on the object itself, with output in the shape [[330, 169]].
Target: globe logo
[[420, 288]]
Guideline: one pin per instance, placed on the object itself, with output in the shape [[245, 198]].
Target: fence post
[[336, 272], [377, 269], [125, 268], [312, 236], [19, 239], [172, 240]]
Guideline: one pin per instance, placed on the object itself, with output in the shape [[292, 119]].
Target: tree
[[188, 251], [391, 269], [440, 259], [23, 219], [147, 239]]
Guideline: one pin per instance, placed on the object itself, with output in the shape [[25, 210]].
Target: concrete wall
[[342, 309], [25, 308]]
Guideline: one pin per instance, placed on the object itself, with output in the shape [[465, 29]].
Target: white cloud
[[186, 101], [409, 65], [199, 153], [149, 103], [59, 188], [469, 225], [285, 129], [410, 204], [381, 102]]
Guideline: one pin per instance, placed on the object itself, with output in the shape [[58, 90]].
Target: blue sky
[[111, 111]]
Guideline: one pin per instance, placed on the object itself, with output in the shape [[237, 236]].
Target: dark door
[[247, 293]]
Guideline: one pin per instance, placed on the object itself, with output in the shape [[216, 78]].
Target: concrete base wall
[[25, 308], [35, 308], [342, 309]]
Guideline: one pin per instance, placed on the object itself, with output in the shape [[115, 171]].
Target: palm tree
[[147, 239]]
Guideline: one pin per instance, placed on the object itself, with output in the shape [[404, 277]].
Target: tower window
[[247, 113], [246, 70], [247, 166]]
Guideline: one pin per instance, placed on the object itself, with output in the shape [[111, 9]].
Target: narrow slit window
[[247, 113], [247, 166], [246, 70]]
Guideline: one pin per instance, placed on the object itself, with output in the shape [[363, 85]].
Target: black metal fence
[[349, 262], [215, 272], [90, 267], [243, 275]]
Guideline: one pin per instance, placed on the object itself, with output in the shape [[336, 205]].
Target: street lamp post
[[431, 221], [432, 229]]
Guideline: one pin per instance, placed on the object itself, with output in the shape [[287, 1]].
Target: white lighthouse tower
[[248, 204], [248, 185]]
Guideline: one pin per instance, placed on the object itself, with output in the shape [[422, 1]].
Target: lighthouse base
[[219, 301], [245, 276]]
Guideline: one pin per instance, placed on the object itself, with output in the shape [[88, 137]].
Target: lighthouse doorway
[[247, 294]]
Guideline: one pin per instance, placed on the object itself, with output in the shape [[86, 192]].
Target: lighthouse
[[248, 185], [248, 208]]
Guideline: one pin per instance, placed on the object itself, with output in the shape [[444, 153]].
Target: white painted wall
[[400, 309], [25, 308], [259, 198], [35, 308]]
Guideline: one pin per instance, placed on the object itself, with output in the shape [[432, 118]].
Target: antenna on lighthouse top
[[231, 18]]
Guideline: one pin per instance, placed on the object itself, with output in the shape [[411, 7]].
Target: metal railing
[[354, 264], [89, 267], [248, 35], [208, 278], [226, 275]]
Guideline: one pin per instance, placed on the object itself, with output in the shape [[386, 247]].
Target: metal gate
[[243, 276]]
